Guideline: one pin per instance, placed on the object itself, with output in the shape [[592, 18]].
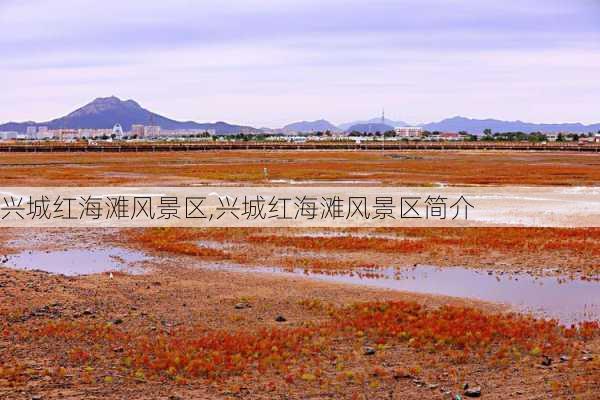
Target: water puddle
[[567, 300], [79, 261]]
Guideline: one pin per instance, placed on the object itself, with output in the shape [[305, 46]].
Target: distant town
[[112, 119], [155, 133]]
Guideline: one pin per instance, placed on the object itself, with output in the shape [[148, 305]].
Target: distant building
[[54, 133], [151, 131], [117, 130], [182, 133], [453, 136], [87, 133], [68, 134], [447, 136], [31, 132], [44, 133], [409, 131], [137, 130], [8, 135], [589, 139], [276, 138]]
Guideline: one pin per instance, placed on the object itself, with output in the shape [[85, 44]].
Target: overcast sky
[[271, 62]]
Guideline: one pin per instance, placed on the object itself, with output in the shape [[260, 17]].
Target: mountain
[[389, 122], [16, 126], [475, 126], [311, 126], [105, 112], [370, 128]]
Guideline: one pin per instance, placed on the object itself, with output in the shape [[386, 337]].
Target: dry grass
[[388, 168]]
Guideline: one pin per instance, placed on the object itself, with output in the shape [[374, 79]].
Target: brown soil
[[176, 294], [51, 327]]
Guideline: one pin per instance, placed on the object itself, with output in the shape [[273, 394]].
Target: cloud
[[133, 25]]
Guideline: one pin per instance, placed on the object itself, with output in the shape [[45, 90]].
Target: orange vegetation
[[458, 334], [565, 248], [368, 167], [174, 241]]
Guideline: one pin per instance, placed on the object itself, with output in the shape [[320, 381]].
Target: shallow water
[[567, 300], [79, 261]]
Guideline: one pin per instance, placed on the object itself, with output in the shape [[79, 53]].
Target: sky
[[272, 62]]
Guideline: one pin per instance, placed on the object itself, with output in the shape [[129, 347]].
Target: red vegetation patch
[[342, 243], [460, 334], [172, 240], [568, 248]]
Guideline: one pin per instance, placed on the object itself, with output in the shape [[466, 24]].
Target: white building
[[117, 130], [87, 133], [151, 131], [44, 133], [67, 134], [137, 130], [182, 133], [409, 131], [8, 135], [31, 132]]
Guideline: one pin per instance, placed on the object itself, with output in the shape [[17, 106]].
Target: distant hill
[[370, 128], [477, 126], [389, 122], [16, 126], [105, 112], [311, 126]]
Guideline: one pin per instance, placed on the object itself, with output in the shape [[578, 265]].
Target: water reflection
[[78, 261], [562, 298]]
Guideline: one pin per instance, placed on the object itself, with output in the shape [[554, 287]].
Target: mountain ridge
[[321, 125], [377, 120], [370, 128], [105, 112], [473, 125]]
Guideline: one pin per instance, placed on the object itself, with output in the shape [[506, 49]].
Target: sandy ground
[[88, 336], [176, 293]]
